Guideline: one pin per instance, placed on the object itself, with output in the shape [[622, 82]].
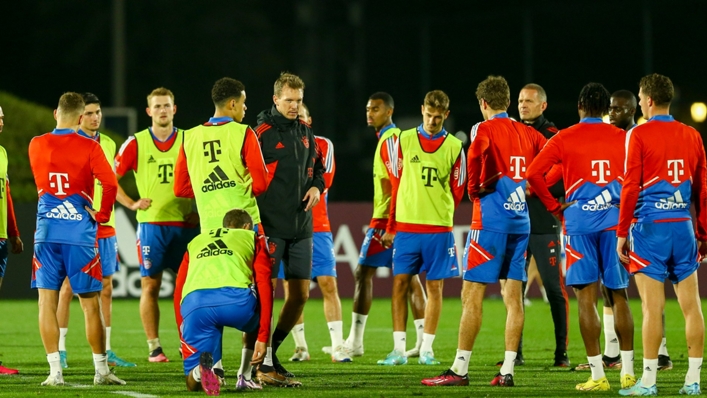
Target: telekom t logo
[[602, 170], [518, 165], [675, 169], [62, 181]]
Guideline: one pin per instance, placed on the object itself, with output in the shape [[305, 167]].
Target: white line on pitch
[[135, 394]]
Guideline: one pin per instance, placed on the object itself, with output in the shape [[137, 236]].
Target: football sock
[[509, 361], [62, 339], [663, 350], [153, 344], [99, 361], [611, 340], [298, 336], [627, 363], [268, 357], [693, 371], [358, 325], [420, 329], [461, 362], [336, 332], [196, 373], [427, 340], [650, 369], [277, 338], [399, 341], [246, 367], [54, 363], [597, 367], [107, 338]]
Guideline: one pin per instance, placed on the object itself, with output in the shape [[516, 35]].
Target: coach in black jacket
[[289, 151]]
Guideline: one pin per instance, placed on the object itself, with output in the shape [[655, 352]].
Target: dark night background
[[346, 50]]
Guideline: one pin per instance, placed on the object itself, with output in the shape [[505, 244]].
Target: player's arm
[[178, 287], [182, 183], [262, 269], [699, 189], [392, 157], [125, 161], [475, 160], [13, 232], [318, 167], [458, 178], [103, 172], [541, 165], [326, 156], [631, 187], [252, 157]]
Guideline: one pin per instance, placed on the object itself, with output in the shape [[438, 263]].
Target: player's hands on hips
[[141, 204], [16, 244], [563, 206], [622, 249], [91, 212], [192, 218], [259, 352], [387, 240], [702, 249], [311, 197]]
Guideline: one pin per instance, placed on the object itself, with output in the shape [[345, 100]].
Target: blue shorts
[[202, 326], [373, 254], [323, 257], [432, 253], [3, 256], [663, 250], [162, 246], [108, 251], [490, 256], [53, 262], [592, 257]]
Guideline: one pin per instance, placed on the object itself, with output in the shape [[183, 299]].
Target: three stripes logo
[[600, 203], [65, 211], [215, 248], [217, 180], [516, 201], [415, 159], [673, 202]]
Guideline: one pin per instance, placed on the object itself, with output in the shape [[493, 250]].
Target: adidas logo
[[65, 211], [461, 359], [331, 329], [415, 159], [421, 327], [151, 159], [217, 180], [614, 340], [279, 145], [215, 249], [516, 201], [647, 369], [600, 203], [672, 203], [359, 323]]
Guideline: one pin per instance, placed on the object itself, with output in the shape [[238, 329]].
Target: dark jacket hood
[[274, 118]]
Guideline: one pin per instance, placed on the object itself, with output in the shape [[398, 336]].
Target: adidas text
[[214, 252], [670, 205], [597, 207], [514, 206], [65, 216], [218, 185]]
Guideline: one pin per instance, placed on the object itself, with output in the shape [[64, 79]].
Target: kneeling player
[[214, 289]]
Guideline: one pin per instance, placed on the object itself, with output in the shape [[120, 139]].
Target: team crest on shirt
[[305, 141], [272, 246]]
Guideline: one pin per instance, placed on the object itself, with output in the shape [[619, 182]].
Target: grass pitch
[[21, 348]]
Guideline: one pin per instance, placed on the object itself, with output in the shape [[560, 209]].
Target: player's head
[[494, 95], [237, 218], [435, 110], [655, 93], [91, 120], [161, 107], [532, 102], [228, 96], [622, 109], [593, 100], [70, 109], [288, 95], [2, 119], [379, 110], [304, 114]]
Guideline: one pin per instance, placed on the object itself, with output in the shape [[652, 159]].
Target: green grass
[[21, 348]]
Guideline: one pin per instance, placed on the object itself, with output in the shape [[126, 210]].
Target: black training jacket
[[541, 220], [290, 153]]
